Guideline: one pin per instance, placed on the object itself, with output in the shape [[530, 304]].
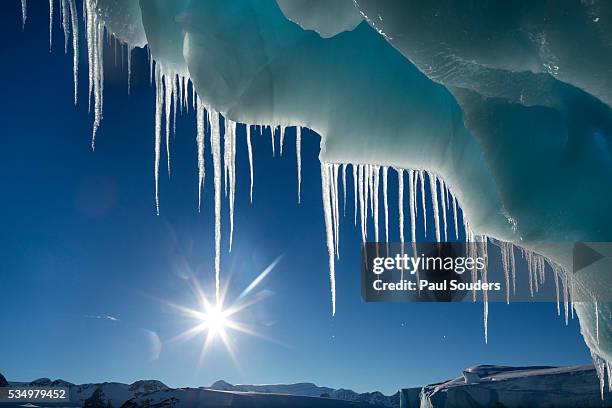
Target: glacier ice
[[504, 109], [327, 18]]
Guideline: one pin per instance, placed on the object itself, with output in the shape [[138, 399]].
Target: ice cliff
[[500, 108], [501, 386]]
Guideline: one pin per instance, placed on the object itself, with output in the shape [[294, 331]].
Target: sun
[[215, 320]]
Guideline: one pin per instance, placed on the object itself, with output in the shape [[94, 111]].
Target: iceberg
[[502, 386]]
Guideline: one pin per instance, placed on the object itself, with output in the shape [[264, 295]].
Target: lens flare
[[216, 320]]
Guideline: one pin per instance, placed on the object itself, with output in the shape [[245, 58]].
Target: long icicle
[[412, 199], [344, 189], [362, 203], [200, 120], [272, 130], [51, 24], [376, 183], [250, 151], [386, 203], [74, 18], [215, 145], [158, 119], [355, 191], [24, 12], [413, 217], [167, 77], [282, 139], [422, 178], [230, 133], [434, 201], [400, 204], [298, 153], [335, 208], [444, 200], [455, 216], [327, 212], [95, 47]]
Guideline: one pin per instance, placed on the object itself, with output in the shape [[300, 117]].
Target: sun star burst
[[215, 319]]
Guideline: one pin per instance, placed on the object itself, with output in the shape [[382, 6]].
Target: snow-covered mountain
[[205, 397], [483, 386], [3, 382], [487, 386], [152, 393], [107, 395], [312, 390]]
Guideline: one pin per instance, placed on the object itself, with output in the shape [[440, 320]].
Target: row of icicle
[[172, 92]]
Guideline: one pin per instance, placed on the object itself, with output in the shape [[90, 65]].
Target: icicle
[[158, 119], [505, 247], [422, 178], [327, 212], [95, 47], [600, 367], [455, 216], [215, 145], [282, 139], [370, 187], [344, 189], [386, 203], [230, 146], [180, 96], [272, 136], [298, 153], [24, 12], [168, 105], [174, 88], [376, 184], [608, 373], [443, 197], [50, 24], [194, 95], [485, 294], [75, 46], [565, 283], [200, 142], [65, 18], [335, 169], [412, 200], [366, 192], [434, 199], [596, 322], [571, 296], [400, 204], [333, 194], [556, 273], [362, 205], [151, 64], [414, 190], [250, 150], [186, 93], [129, 68], [355, 191]]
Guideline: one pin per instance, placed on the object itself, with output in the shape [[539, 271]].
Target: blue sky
[[80, 240]]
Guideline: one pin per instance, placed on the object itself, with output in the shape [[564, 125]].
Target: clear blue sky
[[79, 238]]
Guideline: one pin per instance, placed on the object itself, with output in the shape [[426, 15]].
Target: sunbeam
[[216, 319]]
